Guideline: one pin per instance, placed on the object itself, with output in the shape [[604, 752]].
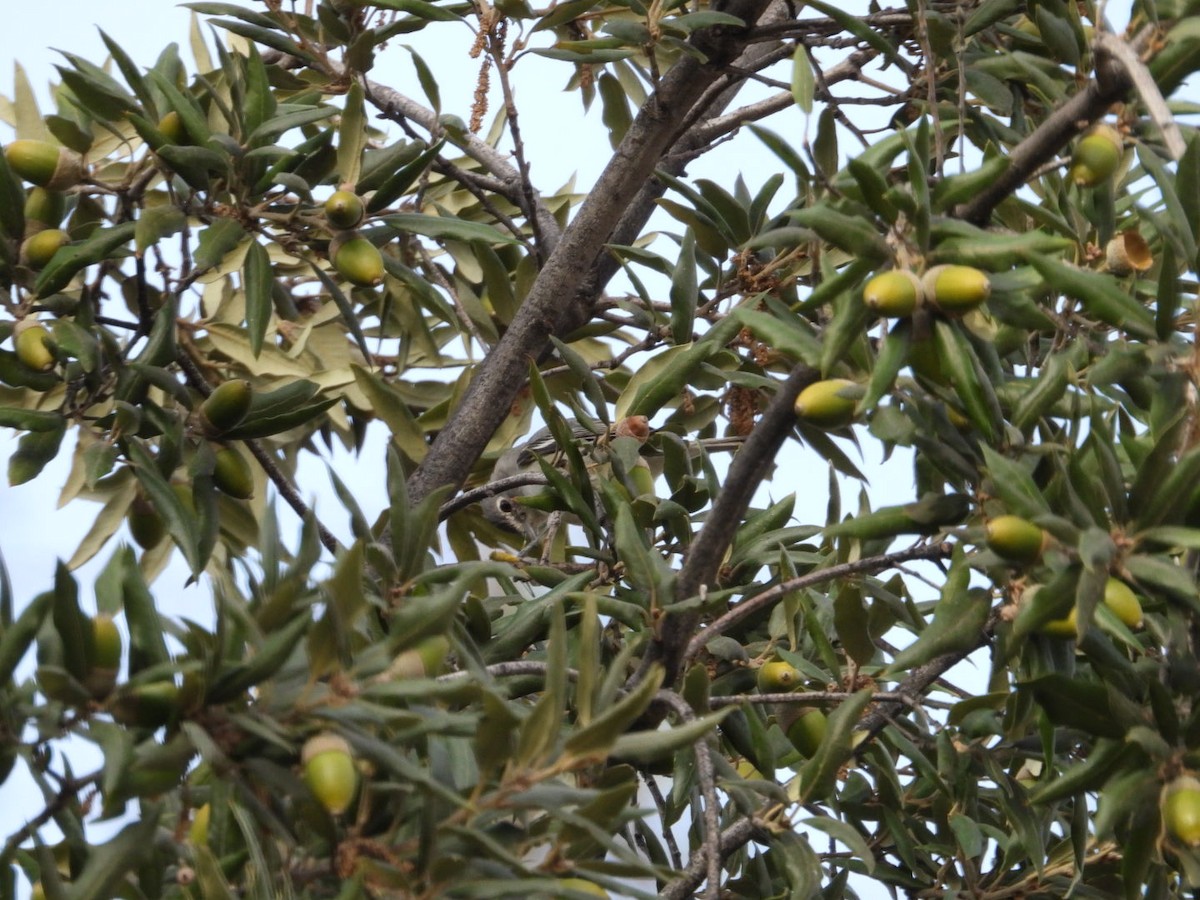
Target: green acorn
[[424, 660], [226, 406], [344, 209], [39, 248], [149, 705], [1015, 538], [329, 771], [358, 261], [1123, 602], [1097, 156], [1180, 808], [145, 524], [807, 731], [777, 677], [172, 128], [829, 403], [895, 293], [43, 209], [956, 289], [232, 474], [104, 656], [44, 164], [35, 348]]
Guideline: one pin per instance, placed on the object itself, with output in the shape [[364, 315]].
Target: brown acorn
[[35, 349], [232, 474], [896, 293], [344, 209], [1097, 156], [956, 289], [45, 164], [829, 403], [358, 261], [226, 406], [39, 248]]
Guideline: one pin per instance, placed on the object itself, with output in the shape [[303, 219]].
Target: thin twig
[[869, 565], [710, 848]]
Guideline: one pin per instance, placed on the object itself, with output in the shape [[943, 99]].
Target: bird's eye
[[505, 505]]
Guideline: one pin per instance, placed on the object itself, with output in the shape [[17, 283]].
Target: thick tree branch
[[489, 397], [704, 556], [1111, 83]]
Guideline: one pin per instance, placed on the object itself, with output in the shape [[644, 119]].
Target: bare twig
[[869, 565], [710, 849]]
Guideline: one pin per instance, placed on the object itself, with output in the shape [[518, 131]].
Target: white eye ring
[[505, 505]]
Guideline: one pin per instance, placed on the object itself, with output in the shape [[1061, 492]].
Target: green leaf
[[35, 450], [803, 81], [258, 280], [446, 228], [598, 737], [684, 291], [72, 259]]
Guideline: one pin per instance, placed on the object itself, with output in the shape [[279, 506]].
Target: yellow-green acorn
[[43, 209], [829, 403], [150, 705], [344, 209], [956, 289], [329, 771], [232, 474], [44, 164], [226, 406], [1123, 602], [777, 677], [1096, 156], [1015, 538], [358, 261], [807, 731], [895, 293], [145, 524], [198, 830], [425, 659], [104, 656], [39, 248], [172, 127], [582, 886], [1061, 628], [34, 348], [1180, 807]]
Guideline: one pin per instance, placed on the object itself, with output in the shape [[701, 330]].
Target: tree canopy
[[666, 680]]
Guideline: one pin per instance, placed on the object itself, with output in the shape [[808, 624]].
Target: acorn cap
[[45, 164], [1128, 252], [325, 742]]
